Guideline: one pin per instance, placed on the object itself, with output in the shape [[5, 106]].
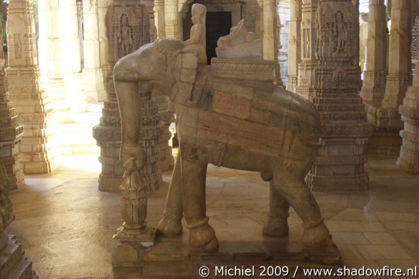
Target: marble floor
[[65, 224]]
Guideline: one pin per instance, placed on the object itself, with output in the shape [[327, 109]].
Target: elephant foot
[[316, 236], [276, 227], [202, 237], [170, 227]]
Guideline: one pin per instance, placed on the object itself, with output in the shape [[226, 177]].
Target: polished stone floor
[[65, 224]]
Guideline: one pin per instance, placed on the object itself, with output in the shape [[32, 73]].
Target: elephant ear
[[186, 69]]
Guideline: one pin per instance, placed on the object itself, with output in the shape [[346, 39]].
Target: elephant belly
[[229, 141]]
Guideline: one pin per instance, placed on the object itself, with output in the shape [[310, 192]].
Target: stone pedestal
[[70, 43], [386, 140], [50, 58], [409, 153], [294, 45], [108, 132], [329, 76], [171, 258], [32, 104]]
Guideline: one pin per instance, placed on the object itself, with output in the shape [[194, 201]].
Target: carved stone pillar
[[386, 139], [159, 18], [10, 133], [271, 35], [373, 87], [31, 102], [92, 74], [329, 74], [306, 67], [122, 16], [49, 50], [409, 153], [171, 20], [70, 43], [294, 44], [13, 262]]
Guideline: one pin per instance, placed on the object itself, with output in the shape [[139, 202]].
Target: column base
[[409, 153], [109, 183], [130, 246], [320, 183], [13, 263], [339, 166], [384, 144]]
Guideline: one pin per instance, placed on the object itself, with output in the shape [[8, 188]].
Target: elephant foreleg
[[201, 234], [293, 188], [277, 224], [171, 223]]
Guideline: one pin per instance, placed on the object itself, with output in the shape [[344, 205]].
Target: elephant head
[[157, 66]]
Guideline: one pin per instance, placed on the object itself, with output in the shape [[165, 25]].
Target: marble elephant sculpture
[[282, 149]]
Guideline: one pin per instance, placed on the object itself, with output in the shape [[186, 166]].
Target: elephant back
[[246, 91]]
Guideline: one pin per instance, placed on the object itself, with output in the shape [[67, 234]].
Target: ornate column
[[307, 65], [31, 102], [159, 16], [329, 74], [171, 20], [373, 87], [13, 261], [132, 17], [386, 139], [71, 64], [294, 44], [409, 153], [49, 50], [10, 133], [92, 74]]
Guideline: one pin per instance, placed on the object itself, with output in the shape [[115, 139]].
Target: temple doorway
[[218, 24]]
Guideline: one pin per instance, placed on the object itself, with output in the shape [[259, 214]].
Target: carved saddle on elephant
[[238, 106]]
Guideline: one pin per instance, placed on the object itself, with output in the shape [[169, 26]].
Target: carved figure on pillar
[[125, 37]]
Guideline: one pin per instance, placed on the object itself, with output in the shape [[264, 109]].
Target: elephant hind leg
[[291, 185], [277, 225]]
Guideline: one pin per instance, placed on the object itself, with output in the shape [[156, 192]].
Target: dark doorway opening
[[218, 24]]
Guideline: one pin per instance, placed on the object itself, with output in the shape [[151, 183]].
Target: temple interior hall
[[69, 207]]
